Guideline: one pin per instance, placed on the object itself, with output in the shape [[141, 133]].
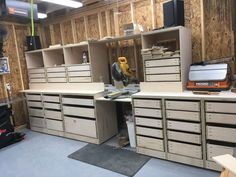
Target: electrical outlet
[[8, 86]]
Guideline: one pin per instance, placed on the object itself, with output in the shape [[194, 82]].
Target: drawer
[[149, 132], [183, 115], [185, 149], [147, 103], [221, 107], [78, 68], [35, 112], [184, 137], [78, 111], [221, 134], [221, 118], [148, 122], [54, 125], [53, 114], [150, 143], [183, 105], [80, 126], [31, 76], [163, 70], [37, 122], [79, 73], [52, 105], [56, 74], [34, 104], [215, 150], [184, 126], [164, 62], [54, 99], [78, 101], [37, 80], [80, 79], [147, 112], [56, 69], [34, 71], [33, 97], [163, 77], [57, 80]]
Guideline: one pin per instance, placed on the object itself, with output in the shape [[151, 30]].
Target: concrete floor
[[41, 155]]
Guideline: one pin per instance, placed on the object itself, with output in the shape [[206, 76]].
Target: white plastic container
[[130, 126]]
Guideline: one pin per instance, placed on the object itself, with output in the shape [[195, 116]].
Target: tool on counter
[[209, 77], [205, 93]]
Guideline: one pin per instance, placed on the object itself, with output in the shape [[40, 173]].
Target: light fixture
[[69, 3], [42, 15]]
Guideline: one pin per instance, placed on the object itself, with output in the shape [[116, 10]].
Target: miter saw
[[122, 76]]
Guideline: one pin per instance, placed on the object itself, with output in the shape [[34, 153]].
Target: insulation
[[67, 33], [80, 29]]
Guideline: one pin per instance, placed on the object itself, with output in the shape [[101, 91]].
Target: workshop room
[[117, 88]]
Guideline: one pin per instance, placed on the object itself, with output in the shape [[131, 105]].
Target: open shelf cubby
[[74, 53], [34, 59], [53, 57]]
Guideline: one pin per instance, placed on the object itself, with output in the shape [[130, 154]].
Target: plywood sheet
[[80, 29], [217, 29], [67, 33], [159, 12], [47, 36], [143, 14], [93, 28], [104, 26], [112, 22], [57, 33], [124, 17], [193, 21]]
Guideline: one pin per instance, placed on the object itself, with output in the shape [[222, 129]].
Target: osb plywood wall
[[14, 48], [209, 20]]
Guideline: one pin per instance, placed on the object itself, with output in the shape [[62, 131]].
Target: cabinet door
[[183, 105], [221, 107], [78, 101], [221, 134], [149, 132], [54, 125], [80, 126], [37, 122], [148, 112], [215, 150], [183, 115], [150, 143], [48, 98], [184, 137], [184, 126], [221, 118], [53, 114], [144, 103], [33, 97], [36, 112], [164, 62], [79, 111], [163, 77], [36, 104], [156, 123]]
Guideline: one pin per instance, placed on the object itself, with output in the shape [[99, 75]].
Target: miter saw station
[[125, 83]]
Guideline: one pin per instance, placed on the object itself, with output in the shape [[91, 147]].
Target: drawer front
[[37, 122], [150, 143], [54, 99], [37, 80], [149, 132], [80, 127], [163, 77], [184, 126], [184, 137], [221, 107], [80, 79], [80, 112], [147, 112], [163, 70], [53, 114], [78, 101], [52, 106], [221, 134], [36, 112], [148, 122], [78, 68], [35, 71], [57, 80], [215, 150], [54, 125], [33, 97], [165, 62], [56, 74], [147, 103], [185, 149], [183, 105], [183, 115], [56, 69], [221, 118], [31, 76], [34, 104], [79, 74]]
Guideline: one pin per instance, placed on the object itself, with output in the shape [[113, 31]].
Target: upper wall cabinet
[[167, 56]]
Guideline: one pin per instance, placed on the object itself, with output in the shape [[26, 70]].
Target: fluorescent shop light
[[69, 3], [42, 15]]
